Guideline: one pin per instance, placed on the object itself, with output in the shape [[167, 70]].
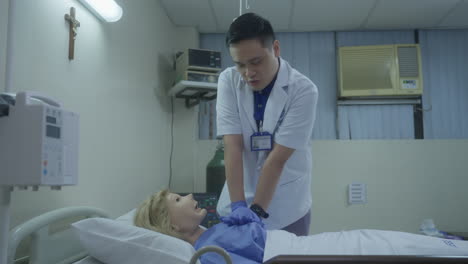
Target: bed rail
[[366, 259], [215, 249], [49, 248]]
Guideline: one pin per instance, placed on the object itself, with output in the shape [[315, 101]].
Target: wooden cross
[[74, 24]]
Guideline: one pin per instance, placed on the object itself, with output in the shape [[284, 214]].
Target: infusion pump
[[38, 142]]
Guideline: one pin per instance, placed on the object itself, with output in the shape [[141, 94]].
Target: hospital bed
[[53, 241]]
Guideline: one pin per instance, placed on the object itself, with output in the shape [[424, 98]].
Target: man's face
[[257, 64]]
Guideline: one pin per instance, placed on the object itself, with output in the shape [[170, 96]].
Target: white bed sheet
[[361, 242], [88, 260]]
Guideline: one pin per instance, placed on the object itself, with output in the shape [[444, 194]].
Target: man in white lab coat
[[265, 113]]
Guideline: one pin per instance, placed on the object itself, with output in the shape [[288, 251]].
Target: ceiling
[[215, 16]]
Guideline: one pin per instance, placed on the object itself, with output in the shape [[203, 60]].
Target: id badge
[[261, 141]]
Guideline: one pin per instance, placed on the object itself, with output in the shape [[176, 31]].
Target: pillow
[[117, 242], [128, 217]]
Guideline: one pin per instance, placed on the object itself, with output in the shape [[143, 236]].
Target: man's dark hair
[[250, 26]]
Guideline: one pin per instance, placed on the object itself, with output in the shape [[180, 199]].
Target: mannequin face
[[184, 212]]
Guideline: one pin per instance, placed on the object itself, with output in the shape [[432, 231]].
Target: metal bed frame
[[45, 242], [63, 247], [370, 259]]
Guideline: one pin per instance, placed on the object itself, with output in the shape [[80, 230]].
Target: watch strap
[[258, 210]]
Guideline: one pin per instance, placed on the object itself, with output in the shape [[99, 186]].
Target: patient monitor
[[38, 142]]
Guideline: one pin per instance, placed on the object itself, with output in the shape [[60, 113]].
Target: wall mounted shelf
[[380, 101], [194, 92]]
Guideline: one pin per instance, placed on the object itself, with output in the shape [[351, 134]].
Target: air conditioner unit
[[383, 70]]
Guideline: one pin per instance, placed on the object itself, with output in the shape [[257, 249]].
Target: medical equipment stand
[[44, 153], [5, 197], [5, 194]]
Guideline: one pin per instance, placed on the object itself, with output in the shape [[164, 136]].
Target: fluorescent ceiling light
[[106, 10]]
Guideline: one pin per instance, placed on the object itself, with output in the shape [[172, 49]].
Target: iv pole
[[9, 44], [247, 6], [240, 7], [5, 190]]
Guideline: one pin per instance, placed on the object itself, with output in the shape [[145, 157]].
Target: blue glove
[[241, 215], [238, 204]]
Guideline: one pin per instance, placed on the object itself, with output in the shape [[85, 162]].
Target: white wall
[[117, 83], [407, 181], [185, 147]]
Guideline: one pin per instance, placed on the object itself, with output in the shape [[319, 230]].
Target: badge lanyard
[[260, 140]]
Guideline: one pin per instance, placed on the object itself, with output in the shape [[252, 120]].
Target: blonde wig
[[153, 214]]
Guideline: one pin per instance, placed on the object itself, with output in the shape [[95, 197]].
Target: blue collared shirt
[[260, 101], [244, 243]]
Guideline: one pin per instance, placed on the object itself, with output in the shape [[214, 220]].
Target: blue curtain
[[445, 95], [445, 72]]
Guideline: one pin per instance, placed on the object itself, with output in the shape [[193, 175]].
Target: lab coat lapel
[[277, 99], [247, 104]]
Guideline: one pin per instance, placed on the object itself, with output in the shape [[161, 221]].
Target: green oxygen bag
[[215, 173]]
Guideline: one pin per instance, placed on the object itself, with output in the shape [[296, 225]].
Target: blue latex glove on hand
[[241, 215], [238, 204]]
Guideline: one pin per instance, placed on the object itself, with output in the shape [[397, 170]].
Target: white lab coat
[[291, 108]]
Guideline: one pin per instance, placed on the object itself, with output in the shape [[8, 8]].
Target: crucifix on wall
[[73, 24]]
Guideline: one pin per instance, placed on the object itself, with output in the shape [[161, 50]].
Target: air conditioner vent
[[368, 69], [408, 62], [380, 70]]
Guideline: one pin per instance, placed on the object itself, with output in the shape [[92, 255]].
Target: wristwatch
[[258, 210]]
